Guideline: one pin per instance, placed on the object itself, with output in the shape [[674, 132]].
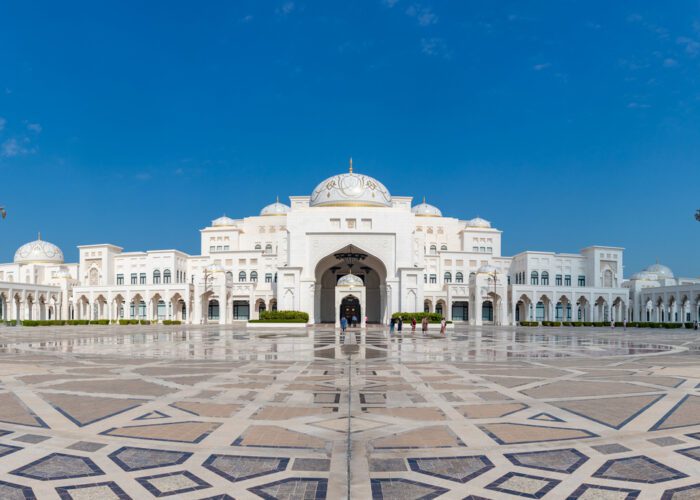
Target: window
[[459, 278], [557, 280], [226, 247], [545, 278], [448, 277], [133, 278], [166, 276], [268, 277], [258, 246], [433, 249], [156, 277], [212, 249], [142, 278], [471, 275], [581, 281], [253, 276], [275, 281], [534, 278], [268, 248], [229, 276], [475, 249], [433, 278], [425, 278], [241, 277], [567, 280], [120, 279], [443, 247], [482, 249]]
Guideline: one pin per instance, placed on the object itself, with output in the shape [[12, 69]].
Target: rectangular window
[[212, 249], [120, 279], [557, 280], [581, 281], [567, 280], [142, 279], [268, 278], [133, 279], [226, 247], [433, 278], [335, 223], [475, 249], [350, 223]]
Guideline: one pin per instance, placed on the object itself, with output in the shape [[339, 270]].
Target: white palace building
[[350, 248]]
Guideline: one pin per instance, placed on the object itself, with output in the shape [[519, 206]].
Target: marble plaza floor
[[229, 412]]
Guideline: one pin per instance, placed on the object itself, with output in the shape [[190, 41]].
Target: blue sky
[[565, 123]]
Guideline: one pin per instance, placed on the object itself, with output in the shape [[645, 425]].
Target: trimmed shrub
[[172, 322], [284, 316], [30, 322], [12, 322], [407, 317], [529, 323], [144, 322], [277, 321], [689, 325]]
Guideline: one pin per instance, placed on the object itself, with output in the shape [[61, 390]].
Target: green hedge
[[529, 323], [284, 316], [172, 322], [407, 317], [277, 321]]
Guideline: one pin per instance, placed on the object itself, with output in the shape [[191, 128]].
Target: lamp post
[[495, 284]]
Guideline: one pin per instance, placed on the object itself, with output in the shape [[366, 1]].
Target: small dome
[[660, 271], [487, 269], [223, 221], [350, 280], [275, 208], [38, 252], [478, 222], [643, 276], [350, 189], [426, 210]]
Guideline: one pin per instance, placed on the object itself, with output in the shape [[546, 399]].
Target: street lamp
[[495, 284]]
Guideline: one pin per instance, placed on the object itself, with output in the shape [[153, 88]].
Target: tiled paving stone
[[459, 469], [6, 449], [287, 412], [179, 432], [639, 469], [59, 466], [523, 485], [610, 449], [686, 413], [132, 459], [85, 410], [96, 491], [575, 388], [32, 438], [666, 441], [312, 464], [425, 437], [134, 387], [404, 489], [612, 412], [87, 446], [512, 433], [693, 453], [387, 465], [490, 410], [691, 492], [152, 415], [11, 491], [14, 411], [239, 468], [270, 436], [293, 488], [565, 461], [214, 410], [598, 492], [220, 497], [172, 483], [546, 417]]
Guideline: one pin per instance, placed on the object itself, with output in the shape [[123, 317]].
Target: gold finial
[[277, 199], [351, 164], [423, 200], [39, 236]]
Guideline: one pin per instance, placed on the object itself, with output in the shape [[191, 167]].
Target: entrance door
[[349, 307]]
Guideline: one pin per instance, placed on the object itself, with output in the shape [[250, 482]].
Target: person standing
[[443, 326], [392, 323], [354, 321], [343, 323], [400, 324], [424, 325], [413, 325]]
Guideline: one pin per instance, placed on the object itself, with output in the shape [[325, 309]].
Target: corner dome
[[643, 276], [275, 208], [478, 222], [660, 270], [223, 221], [487, 269], [426, 210], [350, 280], [38, 252], [350, 190]]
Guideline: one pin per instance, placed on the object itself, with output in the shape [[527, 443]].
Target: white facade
[[656, 295], [284, 258]]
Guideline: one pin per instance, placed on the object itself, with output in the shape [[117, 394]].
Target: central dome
[[38, 252], [350, 190], [350, 280]]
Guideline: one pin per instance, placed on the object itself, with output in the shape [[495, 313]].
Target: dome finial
[[351, 164], [277, 199], [39, 236], [423, 199]]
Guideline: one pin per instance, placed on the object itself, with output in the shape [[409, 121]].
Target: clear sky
[[565, 123]]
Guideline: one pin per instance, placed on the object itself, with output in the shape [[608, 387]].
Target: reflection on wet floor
[[300, 345]]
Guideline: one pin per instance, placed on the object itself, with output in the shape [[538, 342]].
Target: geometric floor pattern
[[229, 412]]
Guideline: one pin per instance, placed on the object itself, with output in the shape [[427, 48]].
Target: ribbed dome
[[38, 252], [223, 221], [275, 208], [350, 280], [350, 189], [426, 210], [660, 270], [478, 222]]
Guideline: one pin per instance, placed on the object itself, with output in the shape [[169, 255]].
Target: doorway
[[349, 307]]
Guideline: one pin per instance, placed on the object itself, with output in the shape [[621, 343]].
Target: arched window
[[545, 278], [443, 247], [448, 277], [258, 246], [433, 249], [166, 276], [241, 276], [253, 276], [471, 275], [534, 278], [156, 277], [229, 276], [459, 278], [268, 248], [438, 308], [608, 278]]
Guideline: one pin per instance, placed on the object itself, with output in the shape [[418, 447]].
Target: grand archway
[[373, 274]]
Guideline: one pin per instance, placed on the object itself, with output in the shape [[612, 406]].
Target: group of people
[[397, 324], [344, 323]]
